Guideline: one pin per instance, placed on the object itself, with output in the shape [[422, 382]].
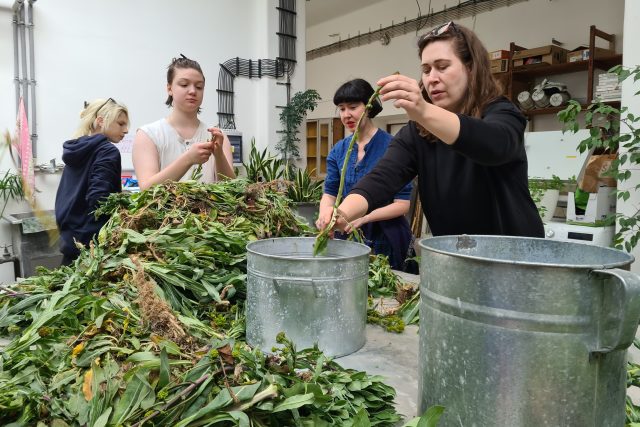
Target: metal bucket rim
[[366, 250], [424, 245]]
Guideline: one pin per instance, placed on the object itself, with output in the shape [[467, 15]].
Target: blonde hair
[[108, 109]]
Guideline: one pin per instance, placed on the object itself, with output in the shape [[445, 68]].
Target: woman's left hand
[[406, 93], [217, 139]]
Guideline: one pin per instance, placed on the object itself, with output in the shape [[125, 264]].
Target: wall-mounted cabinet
[[322, 134]]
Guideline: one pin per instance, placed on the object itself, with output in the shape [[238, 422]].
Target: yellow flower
[[86, 385], [77, 349]]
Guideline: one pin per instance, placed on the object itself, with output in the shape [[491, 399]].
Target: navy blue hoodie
[[92, 172]]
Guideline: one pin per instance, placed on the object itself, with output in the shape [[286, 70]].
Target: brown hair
[[182, 62], [482, 87]]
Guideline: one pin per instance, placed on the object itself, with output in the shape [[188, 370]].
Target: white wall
[[120, 49], [632, 102], [530, 24]]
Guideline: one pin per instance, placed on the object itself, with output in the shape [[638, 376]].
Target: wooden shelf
[[523, 78], [321, 135], [540, 70], [553, 110]]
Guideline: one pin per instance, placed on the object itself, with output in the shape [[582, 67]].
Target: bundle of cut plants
[[147, 327]]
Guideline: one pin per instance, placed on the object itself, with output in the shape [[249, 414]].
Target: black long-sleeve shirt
[[478, 185]]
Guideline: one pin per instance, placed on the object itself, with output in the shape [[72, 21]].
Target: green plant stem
[[356, 134], [322, 238]]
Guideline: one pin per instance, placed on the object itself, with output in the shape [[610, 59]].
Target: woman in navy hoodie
[[92, 172]]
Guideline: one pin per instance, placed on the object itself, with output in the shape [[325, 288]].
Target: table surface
[[393, 356]]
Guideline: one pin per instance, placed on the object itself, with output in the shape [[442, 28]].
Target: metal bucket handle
[[630, 310], [307, 282]]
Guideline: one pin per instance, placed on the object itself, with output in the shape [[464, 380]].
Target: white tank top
[[170, 146]]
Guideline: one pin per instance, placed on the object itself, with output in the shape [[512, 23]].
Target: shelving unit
[[321, 136], [312, 137], [524, 78]]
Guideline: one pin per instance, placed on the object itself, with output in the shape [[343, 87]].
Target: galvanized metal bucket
[[319, 300], [525, 332]]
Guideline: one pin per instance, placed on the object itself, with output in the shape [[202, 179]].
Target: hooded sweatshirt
[[92, 172]]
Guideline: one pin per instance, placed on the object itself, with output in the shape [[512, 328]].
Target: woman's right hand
[[406, 94], [324, 217], [200, 152]]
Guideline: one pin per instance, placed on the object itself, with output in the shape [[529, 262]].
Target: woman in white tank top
[[172, 147]]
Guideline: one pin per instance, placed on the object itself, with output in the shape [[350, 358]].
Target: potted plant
[[613, 129], [291, 118], [262, 166], [545, 194], [10, 184], [305, 193]]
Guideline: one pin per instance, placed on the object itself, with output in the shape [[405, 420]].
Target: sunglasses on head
[[442, 29], [105, 103]]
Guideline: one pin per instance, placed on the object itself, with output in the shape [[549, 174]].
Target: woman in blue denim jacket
[[385, 229]]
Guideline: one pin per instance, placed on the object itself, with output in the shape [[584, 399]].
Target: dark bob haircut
[[357, 90]]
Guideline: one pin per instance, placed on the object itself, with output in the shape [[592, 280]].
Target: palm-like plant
[[262, 166], [304, 188]]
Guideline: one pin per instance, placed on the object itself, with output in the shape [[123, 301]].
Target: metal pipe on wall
[[16, 56], [32, 80], [24, 66], [23, 53]]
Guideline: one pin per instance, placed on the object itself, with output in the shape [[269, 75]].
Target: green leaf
[[361, 419], [222, 400], [137, 390], [294, 402], [164, 375], [103, 419], [431, 417]]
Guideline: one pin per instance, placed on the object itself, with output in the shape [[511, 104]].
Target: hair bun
[[376, 108]]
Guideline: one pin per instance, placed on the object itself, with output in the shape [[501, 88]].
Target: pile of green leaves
[[383, 282], [147, 327]]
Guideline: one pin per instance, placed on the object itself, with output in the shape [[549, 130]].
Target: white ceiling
[[318, 11]]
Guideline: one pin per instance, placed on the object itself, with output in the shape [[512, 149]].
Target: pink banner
[[23, 141]]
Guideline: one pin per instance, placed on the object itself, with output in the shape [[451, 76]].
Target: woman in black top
[[465, 142]]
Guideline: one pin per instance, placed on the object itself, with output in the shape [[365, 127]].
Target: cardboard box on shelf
[[499, 65], [541, 55], [499, 54], [581, 53]]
